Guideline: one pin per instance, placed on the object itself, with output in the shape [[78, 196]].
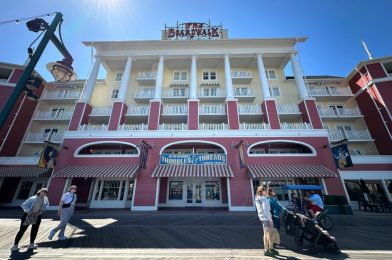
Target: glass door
[[194, 194]]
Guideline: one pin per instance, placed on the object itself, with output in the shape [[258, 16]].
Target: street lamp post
[[57, 69]]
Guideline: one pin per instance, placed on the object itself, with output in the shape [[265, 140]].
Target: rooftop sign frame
[[193, 31]]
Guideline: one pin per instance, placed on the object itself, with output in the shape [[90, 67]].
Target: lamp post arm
[[29, 69], [62, 49]]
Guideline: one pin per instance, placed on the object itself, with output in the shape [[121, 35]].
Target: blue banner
[[193, 159], [341, 156]]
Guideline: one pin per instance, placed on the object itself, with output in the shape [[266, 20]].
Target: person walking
[[66, 209], [265, 216], [33, 208], [276, 207]]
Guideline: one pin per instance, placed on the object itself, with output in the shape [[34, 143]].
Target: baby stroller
[[303, 228]]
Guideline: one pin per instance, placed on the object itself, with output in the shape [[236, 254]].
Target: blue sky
[[335, 27]]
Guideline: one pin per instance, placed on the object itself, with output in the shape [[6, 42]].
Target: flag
[[48, 157], [241, 155], [143, 157], [341, 156]]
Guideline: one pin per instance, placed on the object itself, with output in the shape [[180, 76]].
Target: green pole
[[29, 69]]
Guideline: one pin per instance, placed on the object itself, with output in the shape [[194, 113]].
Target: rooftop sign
[[193, 31]]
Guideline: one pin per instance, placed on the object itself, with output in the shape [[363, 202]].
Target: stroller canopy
[[301, 187]]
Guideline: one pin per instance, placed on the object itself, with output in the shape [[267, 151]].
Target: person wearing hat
[[33, 209], [66, 209]]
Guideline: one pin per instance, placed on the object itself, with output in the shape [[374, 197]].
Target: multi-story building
[[211, 118]]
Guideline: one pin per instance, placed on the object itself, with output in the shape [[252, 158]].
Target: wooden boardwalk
[[180, 235]]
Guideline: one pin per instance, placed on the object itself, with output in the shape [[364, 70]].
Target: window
[[209, 75], [118, 76], [110, 190], [180, 75], [257, 151], [56, 112], [282, 150], [107, 148], [179, 92], [49, 133], [337, 109], [270, 74], [24, 190], [115, 93], [212, 190], [344, 130], [274, 92], [210, 92], [175, 190], [332, 90], [39, 186], [355, 151], [242, 91], [353, 189]]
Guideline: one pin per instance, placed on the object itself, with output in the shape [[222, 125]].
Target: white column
[[133, 194], [299, 77], [263, 77], [228, 193], [384, 185], [89, 87], [159, 79], [124, 80], [193, 90], [157, 193], [228, 81]]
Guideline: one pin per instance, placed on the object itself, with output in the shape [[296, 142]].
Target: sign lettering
[[193, 31], [193, 159]]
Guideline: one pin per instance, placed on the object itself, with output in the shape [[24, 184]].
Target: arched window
[[107, 149], [280, 147]]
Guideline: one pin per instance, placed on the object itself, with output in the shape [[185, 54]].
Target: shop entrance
[[194, 194]]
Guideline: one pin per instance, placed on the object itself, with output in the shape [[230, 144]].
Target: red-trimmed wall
[[193, 115], [155, 115], [232, 114]]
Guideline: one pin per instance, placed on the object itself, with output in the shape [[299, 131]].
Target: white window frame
[[267, 73], [209, 75], [178, 151], [32, 189], [180, 74], [116, 76], [272, 88], [282, 151], [241, 91], [114, 91], [50, 132], [56, 111]]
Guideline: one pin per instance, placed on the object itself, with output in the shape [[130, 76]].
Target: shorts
[[315, 208]]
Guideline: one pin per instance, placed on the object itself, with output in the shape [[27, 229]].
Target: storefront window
[[39, 186], [113, 190], [110, 190], [175, 190], [130, 190], [24, 190], [389, 186], [277, 186], [98, 190], [212, 190], [353, 189]]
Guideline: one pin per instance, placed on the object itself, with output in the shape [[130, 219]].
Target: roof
[[18, 66], [366, 62]]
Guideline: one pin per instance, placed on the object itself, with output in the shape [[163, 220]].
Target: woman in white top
[[265, 216], [66, 209]]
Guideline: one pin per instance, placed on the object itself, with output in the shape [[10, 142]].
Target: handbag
[[30, 219]]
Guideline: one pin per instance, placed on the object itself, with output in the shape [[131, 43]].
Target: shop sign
[[193, 159], [193, 31]]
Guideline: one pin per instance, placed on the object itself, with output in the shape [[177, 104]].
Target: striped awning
[[190, 171], [24, 171], [289, 171], [98, 171]]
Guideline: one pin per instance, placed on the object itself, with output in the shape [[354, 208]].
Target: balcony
[[173, 127], [41, 137], [346, 114], [250, 112], [175, 110], [244, 94], [93, 128], [241, 77], [288, 112], [3, 81], [295, 126], [210, 113], [101, 111], [142, 110], [147, 77], [144, 95], [330, 93], [213, 127], [254, 126], [175, 95], [351, 135], [133, 127], [61, 96], [212, 94], [49, 116]]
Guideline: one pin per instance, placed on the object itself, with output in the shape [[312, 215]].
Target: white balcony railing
[[212, 92], [138, 110], [175, 109], [101, 111], [212, 109], [147, 75], [93, 128], [329, 91], [173, 127], [145, 93], [295, 126], [254, 126], [134, 127], [41, 137], [351, 135], [244, 92], [287, 109], [249, 109], [49, 115], [209, 127], [241, 74], [3, 80], [61, 95], [176, 93], [339, 112]]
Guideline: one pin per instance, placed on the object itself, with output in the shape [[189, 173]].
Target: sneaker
[[63, 238], [269, 253], [15, 248], [50, 237], [275, 252], [32, 246]]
